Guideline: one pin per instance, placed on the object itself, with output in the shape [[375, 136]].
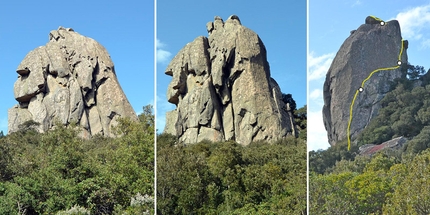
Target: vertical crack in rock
[[214, 78], [70, 79]]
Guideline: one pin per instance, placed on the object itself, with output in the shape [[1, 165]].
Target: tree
[[415, 72], [228, 178], [420, 142], [329, 195], [368, 191], [147, 116], [300, 118], [56, 170], [411, 196], [288, 99]]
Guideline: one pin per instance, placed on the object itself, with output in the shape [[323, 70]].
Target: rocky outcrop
[[222, 89], [71, 80], [374, 45], [371, 149]]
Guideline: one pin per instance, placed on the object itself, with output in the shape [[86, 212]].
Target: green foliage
[[14, 199], [288, 98], [58, 172], [28, 125], [300, 118], [75, 210], [328, 194], [147, 118], [348, 192], [367, 191], [415, 72], [321, 160], [357, 165], [386, 185], [227, 178], [425, 78], [411, 196], [420, 142], [405, 112]]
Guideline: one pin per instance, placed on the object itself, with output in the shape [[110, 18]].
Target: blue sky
[[124, 28], [330, 23], [281, 26]]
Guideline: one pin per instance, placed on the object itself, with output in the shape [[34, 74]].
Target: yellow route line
[[376, 18], [362, 86]]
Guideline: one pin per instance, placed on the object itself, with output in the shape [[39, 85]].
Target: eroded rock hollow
[[222, 89], [70, 79]]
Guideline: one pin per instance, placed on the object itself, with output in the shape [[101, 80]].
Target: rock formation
[[222, 89], [372, 46], [71, 80], [371, 149]]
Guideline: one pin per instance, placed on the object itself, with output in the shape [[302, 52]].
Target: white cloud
[[414, 21], [163, 56], [425, 44], [316, 99], [357, 2], [318, 65], [316, 94], [159, 44], [317, 135]]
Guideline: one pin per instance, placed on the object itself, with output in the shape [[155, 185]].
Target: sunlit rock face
[[70, 80], [222, 89]]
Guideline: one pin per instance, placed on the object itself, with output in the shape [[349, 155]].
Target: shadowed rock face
[[372, 46], [70, 79], [222, 89]]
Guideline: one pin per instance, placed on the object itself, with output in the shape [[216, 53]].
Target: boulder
[[18, 116], [371, 149]]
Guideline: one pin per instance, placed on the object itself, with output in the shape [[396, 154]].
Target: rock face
[[372, 46], [70, 79], [222, 89]]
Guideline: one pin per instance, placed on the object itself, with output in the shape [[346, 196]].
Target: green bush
[[58, 172], [228, 178]]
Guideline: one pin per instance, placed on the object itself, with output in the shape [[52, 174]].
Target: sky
[[330, 23], [281, 26], [124, 28]]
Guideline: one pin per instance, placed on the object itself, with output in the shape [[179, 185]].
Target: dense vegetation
[[59, 173], [383, 184], [227, 178], [392, 181]]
